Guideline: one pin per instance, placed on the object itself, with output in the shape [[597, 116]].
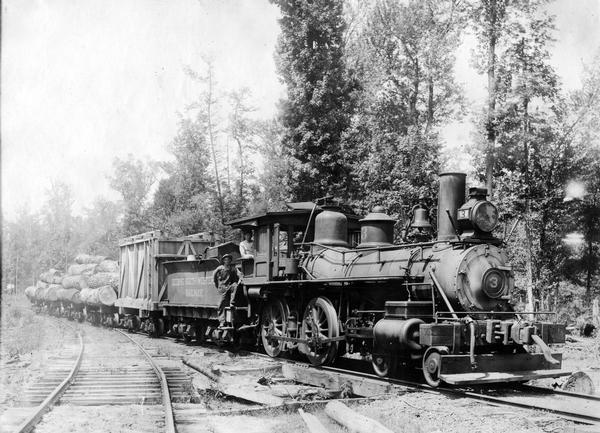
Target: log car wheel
[[320, 321], [274, 323]]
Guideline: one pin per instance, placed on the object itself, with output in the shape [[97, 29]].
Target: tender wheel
[[320, 321], [274, 323], [200, 331], [382, 365], [432, 366]]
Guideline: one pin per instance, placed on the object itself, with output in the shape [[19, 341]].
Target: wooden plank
[[358, 386], [263, 398], [312, 422], [353, 421], [491, 377]]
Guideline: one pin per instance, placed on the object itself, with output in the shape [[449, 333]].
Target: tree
[[524, 139], [488, 18], [60, 226], [101, 228], [133, 179], [243, 130], [583, 131], [310, 60], [403, 54]]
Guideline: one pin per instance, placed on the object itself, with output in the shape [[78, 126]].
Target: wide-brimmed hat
[[226, 256]]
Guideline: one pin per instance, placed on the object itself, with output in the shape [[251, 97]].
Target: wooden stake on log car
[[353, 421]]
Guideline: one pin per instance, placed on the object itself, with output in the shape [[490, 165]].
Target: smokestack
[[451, 197]]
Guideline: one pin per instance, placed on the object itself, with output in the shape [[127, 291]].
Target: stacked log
[[93, 280], [101, 279], [74, 282], [52, 276], [107, 266], [30, 292], [39, 292], [82, 269], [107, 295], [86, 259], [69, 295], [51, 293]]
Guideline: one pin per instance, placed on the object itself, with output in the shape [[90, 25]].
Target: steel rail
[[30, 422], [166, 396], [573, 416], [542, 390]]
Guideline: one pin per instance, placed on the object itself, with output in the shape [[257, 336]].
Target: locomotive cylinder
[[451, 197]]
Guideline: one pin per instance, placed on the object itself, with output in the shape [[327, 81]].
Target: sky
[[83, 82]]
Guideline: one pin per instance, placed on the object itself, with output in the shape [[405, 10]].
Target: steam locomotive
[[324, 282]]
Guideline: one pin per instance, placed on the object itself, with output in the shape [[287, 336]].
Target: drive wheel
[[274, 323], [432, 366], [320, 321]]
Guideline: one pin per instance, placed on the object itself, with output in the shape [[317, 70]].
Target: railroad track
[[47, 391], [581, 408], [572, 406], [96, 377]]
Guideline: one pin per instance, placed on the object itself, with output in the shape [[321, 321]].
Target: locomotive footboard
[[492, 368]]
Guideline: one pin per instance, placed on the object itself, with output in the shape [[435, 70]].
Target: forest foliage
[[370, 87]]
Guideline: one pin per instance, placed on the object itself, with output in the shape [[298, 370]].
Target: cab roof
[[297, 215]]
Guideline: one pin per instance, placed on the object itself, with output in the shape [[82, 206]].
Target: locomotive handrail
[[439, 288]]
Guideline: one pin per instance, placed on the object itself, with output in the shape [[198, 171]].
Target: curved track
[[86, 384], [166, 396], [35, 417]]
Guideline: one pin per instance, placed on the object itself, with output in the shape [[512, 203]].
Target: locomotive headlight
[[494, 283], [484, 216]]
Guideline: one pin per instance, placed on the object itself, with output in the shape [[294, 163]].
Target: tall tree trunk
[[590, 268], [491, 117], [228, 171], [212, 140], [240, 148], [429, 105], [528, 234]]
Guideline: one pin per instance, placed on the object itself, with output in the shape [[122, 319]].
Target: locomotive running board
[[499, 377]]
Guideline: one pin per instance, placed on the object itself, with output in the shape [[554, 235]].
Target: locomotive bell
[[376, 229], [331, 229], [420, 219]]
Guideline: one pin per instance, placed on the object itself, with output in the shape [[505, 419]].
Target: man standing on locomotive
[[226, 278]]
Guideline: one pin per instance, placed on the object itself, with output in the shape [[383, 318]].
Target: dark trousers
[[227, 300]]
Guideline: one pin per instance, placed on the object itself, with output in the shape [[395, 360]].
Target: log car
[[142, 277]]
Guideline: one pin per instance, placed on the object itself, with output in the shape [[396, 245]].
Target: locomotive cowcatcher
[[324, 282]]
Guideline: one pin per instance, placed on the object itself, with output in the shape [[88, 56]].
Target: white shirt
[[247, 249]]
